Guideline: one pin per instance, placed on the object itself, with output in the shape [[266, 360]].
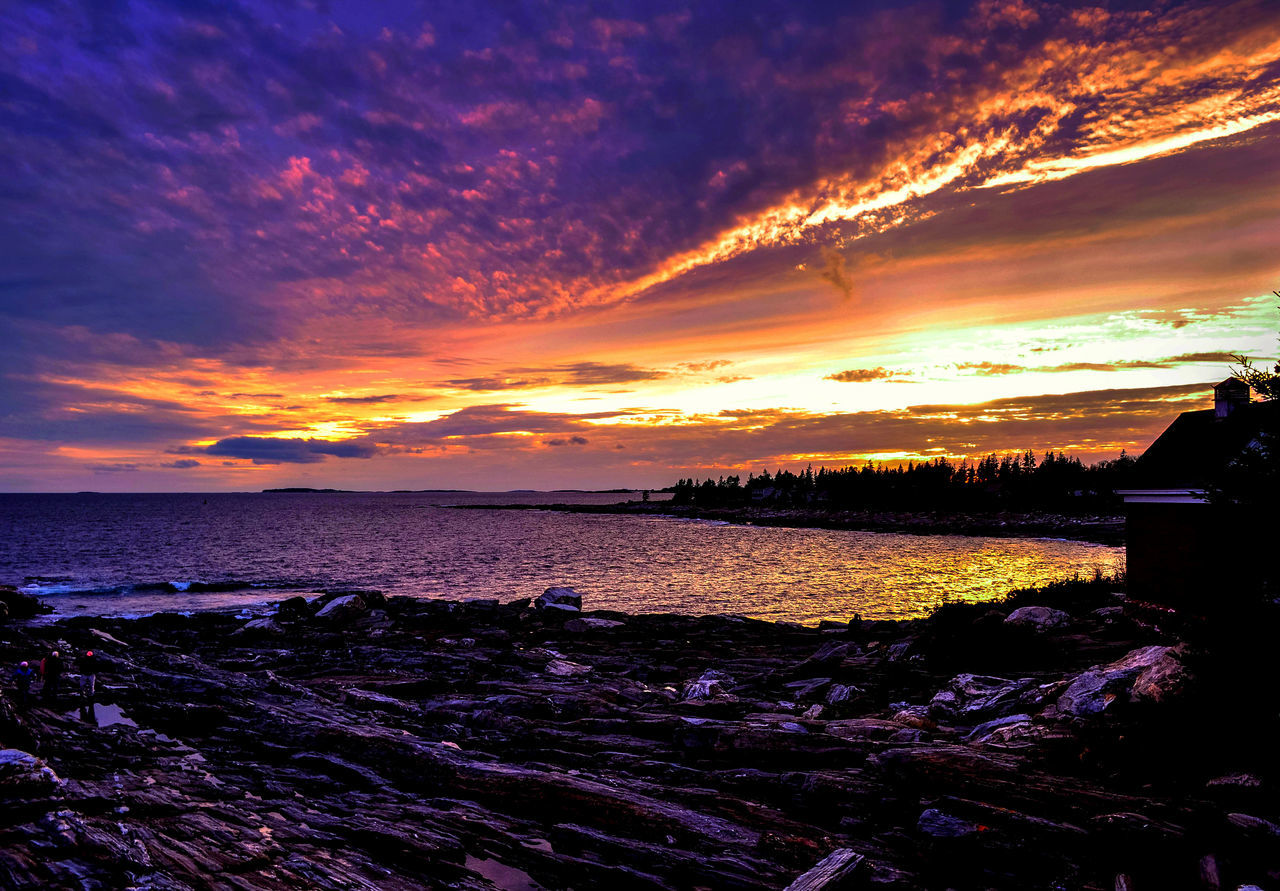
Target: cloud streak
[[576, 374], [989, 369], [1089, 421], [864, 375]]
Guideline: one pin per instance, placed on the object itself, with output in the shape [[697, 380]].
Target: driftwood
[[832, 872]]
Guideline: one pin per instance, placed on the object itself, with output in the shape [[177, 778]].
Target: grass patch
[[1074, 595]]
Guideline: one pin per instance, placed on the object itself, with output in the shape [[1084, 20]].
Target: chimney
[[1228, 396]]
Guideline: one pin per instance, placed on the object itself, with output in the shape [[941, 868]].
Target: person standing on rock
[[51, 670], [89, 665], [23, 675]]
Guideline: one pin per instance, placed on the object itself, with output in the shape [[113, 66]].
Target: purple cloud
[[265, 450]]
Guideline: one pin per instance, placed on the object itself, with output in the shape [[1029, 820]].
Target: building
[[1181, 548]]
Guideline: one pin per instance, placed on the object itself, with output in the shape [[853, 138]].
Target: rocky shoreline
[[1069, 740], [1107, 530]]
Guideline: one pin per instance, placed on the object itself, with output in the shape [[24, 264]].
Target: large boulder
[[264, 626], [916, 717], [15, 604], [563, 668], [347, 608], [559, 598], [974, 698], [1018, 732], [1038, 618], [292, 609], [983, 731], [1164, 675], [1149, 674], [24, 775], [711, 686]]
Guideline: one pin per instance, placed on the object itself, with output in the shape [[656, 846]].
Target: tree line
[[1008, 481], [1018, 481]]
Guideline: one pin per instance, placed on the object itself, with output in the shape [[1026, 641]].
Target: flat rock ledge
[[361, 742]]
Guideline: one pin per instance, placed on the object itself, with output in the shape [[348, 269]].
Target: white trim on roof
[[1164, 496]]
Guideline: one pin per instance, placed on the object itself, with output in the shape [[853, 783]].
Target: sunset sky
[[536, 245]]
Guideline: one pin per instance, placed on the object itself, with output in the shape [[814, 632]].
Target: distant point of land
[[295, 489], [309, 489]]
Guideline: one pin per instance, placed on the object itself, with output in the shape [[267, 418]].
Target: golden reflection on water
[[806, 575]]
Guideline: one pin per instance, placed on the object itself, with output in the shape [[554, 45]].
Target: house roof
[[1197, 445]]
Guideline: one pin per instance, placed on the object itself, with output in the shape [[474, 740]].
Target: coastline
[[995, 524], [361, 741]]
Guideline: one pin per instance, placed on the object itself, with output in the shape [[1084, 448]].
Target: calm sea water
[[130, 554]]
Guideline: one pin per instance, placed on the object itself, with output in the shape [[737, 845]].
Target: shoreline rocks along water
[[364, 742], [1099, 529]]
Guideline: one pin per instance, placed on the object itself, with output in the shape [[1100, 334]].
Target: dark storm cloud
[[265, 450]]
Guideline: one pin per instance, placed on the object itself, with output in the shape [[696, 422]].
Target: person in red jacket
[[51, 668]]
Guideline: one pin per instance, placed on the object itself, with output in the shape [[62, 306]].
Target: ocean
[[111, 554]]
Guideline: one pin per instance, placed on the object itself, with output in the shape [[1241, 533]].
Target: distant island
[[297, 489], [311, 490]]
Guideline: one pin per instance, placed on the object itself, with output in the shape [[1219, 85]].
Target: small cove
[[133, 554]]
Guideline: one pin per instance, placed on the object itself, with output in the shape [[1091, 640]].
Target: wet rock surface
[[474, 745]]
